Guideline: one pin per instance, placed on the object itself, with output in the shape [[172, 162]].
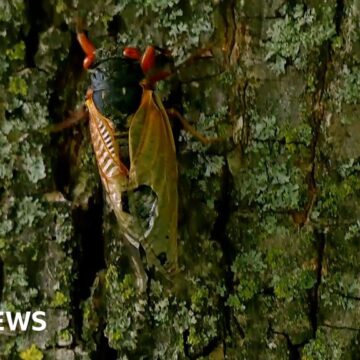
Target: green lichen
[[298, 35], [17, 52], [322, 348], [18, 293], [29, 210], [241, 230], [59, 300], [124, 321], [64, 337], [33, 353], [63, 227], [177, 28], [18, 86], [345, 88], [248, 270], [273, 183]]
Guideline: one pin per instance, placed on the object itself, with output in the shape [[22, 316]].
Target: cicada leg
[[200, 54], [115, 188], [190, 129], [74, 118], [138, 267], [147, 62]]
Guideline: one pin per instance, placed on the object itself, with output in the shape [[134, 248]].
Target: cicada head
[[115, 84]]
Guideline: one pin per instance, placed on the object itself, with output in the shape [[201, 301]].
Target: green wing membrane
[[153, 163]]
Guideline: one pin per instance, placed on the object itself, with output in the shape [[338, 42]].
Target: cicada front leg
[[72, 120]]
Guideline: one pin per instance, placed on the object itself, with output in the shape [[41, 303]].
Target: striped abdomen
[[113, 173]]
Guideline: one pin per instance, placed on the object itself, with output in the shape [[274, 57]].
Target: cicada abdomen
[[111, 169]]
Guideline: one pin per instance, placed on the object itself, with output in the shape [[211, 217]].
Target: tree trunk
[[268, 217]]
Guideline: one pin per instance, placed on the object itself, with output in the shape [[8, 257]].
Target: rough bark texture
[[269, 223]]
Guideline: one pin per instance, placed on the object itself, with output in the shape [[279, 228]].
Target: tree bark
[[268, 218]]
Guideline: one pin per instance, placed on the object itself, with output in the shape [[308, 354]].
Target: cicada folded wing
[[113, 173], [114, 176], [153, 164]]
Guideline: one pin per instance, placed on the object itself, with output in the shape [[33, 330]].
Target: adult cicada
[[143, 192]]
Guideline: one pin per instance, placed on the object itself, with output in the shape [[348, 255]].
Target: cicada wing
[[114, 176], [153, 163], [113, 173]]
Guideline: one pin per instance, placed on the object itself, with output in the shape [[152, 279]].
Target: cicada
[[142, 194]]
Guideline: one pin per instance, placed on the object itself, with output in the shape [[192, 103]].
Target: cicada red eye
[[88, 61], [148, 59], [132, 53], [88, 48]]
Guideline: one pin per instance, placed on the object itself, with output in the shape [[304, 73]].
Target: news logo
[[21, 321]]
